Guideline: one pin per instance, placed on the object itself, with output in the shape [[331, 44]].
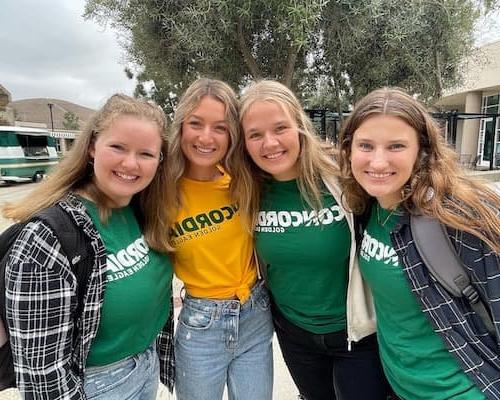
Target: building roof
[[482, 75], [37, 110]]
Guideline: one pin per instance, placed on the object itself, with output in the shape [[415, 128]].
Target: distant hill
[[37, 110]]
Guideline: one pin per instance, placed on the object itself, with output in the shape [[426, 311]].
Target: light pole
[[51, 117]]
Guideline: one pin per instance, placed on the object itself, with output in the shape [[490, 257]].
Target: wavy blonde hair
[[75, 173], [437, 186], [315, 157], [192, 97]]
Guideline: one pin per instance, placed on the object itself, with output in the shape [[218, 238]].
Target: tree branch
[[250, 62], [438, 73]]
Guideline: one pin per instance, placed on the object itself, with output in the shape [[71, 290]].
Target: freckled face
[[272, 139], [383, 154]]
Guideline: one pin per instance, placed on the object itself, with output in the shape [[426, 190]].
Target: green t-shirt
[[415, 359], [308, 257], [138, 289]]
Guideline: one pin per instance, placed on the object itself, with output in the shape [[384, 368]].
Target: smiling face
[[126, 156], [272, 139], [383, 153], [205, 139]]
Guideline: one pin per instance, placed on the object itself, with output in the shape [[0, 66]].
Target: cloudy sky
[[48, 50]]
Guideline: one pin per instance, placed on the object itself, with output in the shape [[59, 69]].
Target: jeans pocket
[[98, 384], [193, 318]]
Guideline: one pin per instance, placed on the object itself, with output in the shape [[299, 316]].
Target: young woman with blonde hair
[[305, 239], [224, 335], [111, 184], [395, 163]]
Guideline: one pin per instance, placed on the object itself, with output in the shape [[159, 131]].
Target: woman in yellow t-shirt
[[224, 335]]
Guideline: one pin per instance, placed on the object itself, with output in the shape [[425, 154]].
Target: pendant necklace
[[387, 218]]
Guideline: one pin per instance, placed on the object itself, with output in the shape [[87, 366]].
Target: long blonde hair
[[315, 158], [75, 173], [200, 88], [437, 186]]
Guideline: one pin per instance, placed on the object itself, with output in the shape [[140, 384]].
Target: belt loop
[[217, 310]]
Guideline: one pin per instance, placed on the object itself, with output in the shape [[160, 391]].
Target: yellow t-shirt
[[213, 250]]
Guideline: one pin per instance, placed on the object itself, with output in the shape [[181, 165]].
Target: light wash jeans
[[134, 378], [221, 342]]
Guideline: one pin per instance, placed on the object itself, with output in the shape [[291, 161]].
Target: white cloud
[[48, 50]]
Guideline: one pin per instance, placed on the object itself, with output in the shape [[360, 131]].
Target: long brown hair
[[75, 172], [437, 186], [315, 158]]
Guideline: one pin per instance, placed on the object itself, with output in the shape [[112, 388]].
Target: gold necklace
[[388, 216]]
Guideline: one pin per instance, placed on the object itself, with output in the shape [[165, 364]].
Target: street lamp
[[51, 117]]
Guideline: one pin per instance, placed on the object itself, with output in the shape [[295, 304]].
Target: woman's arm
[[483, 265], [40, 303]]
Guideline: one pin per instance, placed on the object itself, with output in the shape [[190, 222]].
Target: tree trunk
[[293, 52], [338, 100], [439, 76], [250, 62]]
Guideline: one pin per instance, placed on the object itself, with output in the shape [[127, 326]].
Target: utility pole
[[51, 117]]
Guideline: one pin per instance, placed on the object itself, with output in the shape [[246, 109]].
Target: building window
[[488, 139]]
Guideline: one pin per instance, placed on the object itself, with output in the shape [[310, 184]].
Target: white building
[[476, 135]]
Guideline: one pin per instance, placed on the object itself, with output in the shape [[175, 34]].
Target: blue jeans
[[221, 342], [133, 378]]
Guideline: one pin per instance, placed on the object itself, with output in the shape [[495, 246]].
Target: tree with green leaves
[[71, 121], [175, 41], [333, 51], [419, 45]]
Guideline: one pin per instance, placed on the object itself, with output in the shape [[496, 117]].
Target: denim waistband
[[231, 306], [150, 350]]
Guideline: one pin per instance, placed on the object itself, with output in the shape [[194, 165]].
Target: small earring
[[161, 156], [429, 194]]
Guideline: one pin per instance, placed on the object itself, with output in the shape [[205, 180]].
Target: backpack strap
[[442, 261], [8, 238], [75, 245], [7, 375]]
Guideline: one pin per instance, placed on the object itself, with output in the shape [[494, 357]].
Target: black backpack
[[77, 248]]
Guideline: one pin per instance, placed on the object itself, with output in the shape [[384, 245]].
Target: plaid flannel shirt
[[41, 301], [453, 319]]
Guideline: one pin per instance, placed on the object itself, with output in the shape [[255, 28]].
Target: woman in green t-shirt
[[395, 163], [112, 340], [306, 240]]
